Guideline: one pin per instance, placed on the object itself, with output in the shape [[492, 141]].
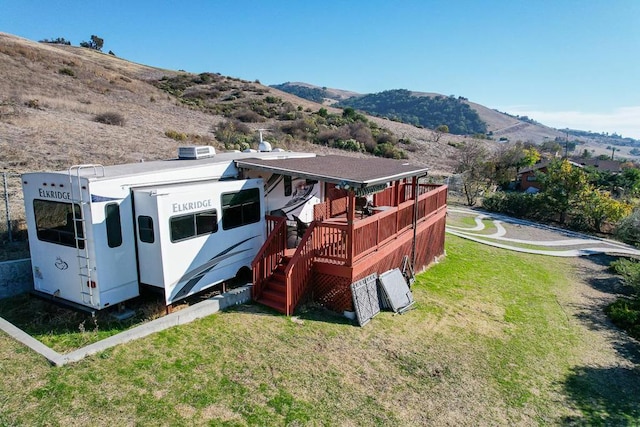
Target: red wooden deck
[[342, 246]]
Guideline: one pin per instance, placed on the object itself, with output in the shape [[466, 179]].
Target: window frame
[[113, 225], [146, 230], [245, 212], [196, 230], [60, 230]]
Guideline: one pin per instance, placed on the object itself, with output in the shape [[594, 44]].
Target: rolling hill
[[58, 104], [501, 126], [51, 98]]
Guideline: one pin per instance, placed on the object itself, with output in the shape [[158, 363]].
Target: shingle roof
[[356, 172]]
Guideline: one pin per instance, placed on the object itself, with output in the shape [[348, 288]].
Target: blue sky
[[564, 63]]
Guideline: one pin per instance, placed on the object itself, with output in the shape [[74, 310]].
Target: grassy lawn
[[489, 343]]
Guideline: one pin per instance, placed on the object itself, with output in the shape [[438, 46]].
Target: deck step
[[276, 285], [274, 295], [279, 276], [278, 306]]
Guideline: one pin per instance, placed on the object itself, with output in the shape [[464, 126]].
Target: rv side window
[[193, 225], [112, 221], [145, 229], [240, 208], [54, 223], [287, 185]]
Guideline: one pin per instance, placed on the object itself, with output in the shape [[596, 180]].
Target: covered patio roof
[[341, 170]]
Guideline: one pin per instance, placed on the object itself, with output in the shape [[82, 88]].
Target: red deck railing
[[377, 230], [298, 272], [270, 253], [328, 241]]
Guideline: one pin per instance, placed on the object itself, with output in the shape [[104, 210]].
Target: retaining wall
[[15, 277]]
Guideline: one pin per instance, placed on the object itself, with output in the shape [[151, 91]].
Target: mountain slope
[[50, 96], [497, 123]]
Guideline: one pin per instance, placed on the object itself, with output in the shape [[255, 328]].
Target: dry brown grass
[[62, 125]]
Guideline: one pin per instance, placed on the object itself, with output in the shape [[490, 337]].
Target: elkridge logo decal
[[60, 264]]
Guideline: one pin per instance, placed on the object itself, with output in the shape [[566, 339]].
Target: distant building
[[527, 180], [613, 166]]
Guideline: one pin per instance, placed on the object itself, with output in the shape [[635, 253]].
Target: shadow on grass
[[316, 313], [605, 396], [310, 311], [40, 318]]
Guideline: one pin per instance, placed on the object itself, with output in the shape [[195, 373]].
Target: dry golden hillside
[[51, 94]]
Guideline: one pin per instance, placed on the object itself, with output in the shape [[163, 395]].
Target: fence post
[[6, 206]]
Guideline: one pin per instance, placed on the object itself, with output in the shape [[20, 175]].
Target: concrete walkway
[[552, 241]]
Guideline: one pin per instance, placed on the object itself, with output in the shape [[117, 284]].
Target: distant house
[[613, 166], [527, 180]]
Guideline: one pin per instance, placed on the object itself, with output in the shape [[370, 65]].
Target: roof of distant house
[[607, 165], [543, 164]]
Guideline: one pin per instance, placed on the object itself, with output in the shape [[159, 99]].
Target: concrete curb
[[205, 308]]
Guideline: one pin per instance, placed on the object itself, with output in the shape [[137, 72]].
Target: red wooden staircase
[[274, 289]]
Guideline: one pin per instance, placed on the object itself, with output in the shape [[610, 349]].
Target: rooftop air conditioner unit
[[196, 152]]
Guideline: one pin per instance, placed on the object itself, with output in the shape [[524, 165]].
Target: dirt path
[[605, 380]]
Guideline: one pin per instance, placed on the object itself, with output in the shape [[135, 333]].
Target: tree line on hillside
[[311, 93], [423, 111], [605, 137], [95, 42]]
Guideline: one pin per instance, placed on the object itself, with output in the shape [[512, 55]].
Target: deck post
[[351, 213], [414, 190], [396, 193]]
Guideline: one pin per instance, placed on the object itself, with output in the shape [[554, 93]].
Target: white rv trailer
[[98, 233]]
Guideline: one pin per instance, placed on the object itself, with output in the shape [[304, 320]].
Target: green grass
[[489, 343]]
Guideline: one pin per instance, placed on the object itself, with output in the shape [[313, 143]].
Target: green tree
[[628, 229], [562, 185], [474, 169], [599, 207], [552, 147], [510, 159], [629, 181], [95, 43]]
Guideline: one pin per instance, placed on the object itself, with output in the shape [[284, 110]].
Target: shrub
[[625, 314], [348, 145], [300, 128], [67, 72], [630, 272], [248, 116], [629, 228], [389, 151], [329, 136], [110, 118], [178, 136], [33, 103], [519, 205]]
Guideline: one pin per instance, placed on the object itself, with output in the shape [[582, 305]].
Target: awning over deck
[[357, 173]]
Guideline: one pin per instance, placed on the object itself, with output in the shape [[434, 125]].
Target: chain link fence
[[13, 226]]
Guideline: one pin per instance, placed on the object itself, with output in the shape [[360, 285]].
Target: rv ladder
[[87, 284]]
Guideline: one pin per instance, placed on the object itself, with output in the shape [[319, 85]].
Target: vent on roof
[[196, 152]]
